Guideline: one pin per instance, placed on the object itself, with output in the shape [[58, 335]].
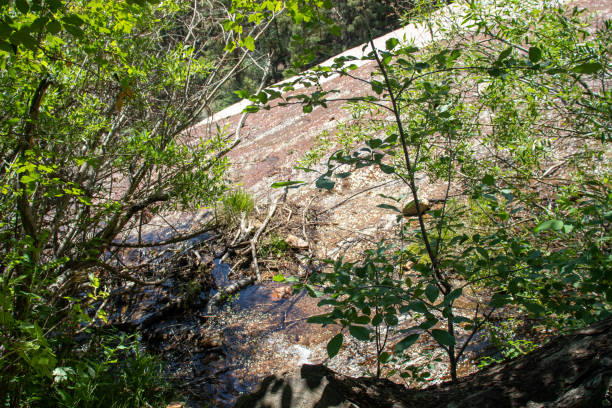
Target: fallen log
[[230, 289]]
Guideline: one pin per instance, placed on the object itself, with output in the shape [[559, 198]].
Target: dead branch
[[254, 264], [230, 289]]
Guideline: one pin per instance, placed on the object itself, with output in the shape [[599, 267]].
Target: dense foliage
[[99, 98], [99, 102], [509, 110]]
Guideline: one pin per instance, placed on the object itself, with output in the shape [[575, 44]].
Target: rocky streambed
[[261, 330]]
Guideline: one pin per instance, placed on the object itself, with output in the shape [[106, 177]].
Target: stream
[[257, 332]]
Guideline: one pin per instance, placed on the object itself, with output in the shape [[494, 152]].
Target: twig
[[256, 237], [304, 218]]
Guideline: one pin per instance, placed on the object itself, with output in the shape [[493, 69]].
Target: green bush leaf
[[22, 6], [451, 297], [535, 54], [5, 30], [285, 183], [500, 299], [429, 323], [378, 87], [384, 357], [406, 343], [321, 319], [24, 38], [333, 347], [432, 292], [325, 183], [504, 54], [389, 207], [391, 43], [418, 307], [249, 43], [361, 319], [386, 168], [534, 308], [251, 109], [360, 332], [443, 337], [279, 278], [5, 46], [555, 225], [488, 180], [588, 68], [54, 27]]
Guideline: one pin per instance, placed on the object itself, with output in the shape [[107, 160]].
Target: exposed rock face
[[570, 371]]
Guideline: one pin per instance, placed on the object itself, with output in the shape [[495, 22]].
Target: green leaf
[[5, 46], [505, 54], [24, 38], [555, 225], [54, 27], [360, 332], [73, 19], [535, 54], [418, 307], [5, 30], [74, 31], [588, 68], [389, 207], [333, 347], [251, 109], [378, 87], [429, 323], [285, 183], [443, 337], [22, 6], [406, 343], [534, 308], [325, 183], [451, 297], [483, 252], [488, 180], [321, 319], [307, 108], [361, 319], [391, 43], [377, 320], [432, 292], [391, 319], [279, 278], [249, 43], [500, 299], [386, 168], [384, 357]]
